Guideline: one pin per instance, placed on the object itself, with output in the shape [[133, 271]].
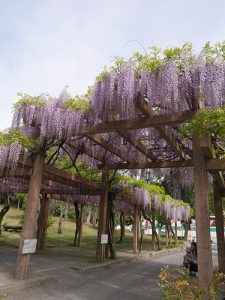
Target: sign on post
[[104, 239], [29, 246]]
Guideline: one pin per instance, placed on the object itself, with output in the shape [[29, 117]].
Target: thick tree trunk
[[3, 212], [219, 226], [42, 222], [122, 228], [30, 216], [205, 265]]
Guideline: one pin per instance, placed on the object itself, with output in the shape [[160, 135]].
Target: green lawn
[[65, 239]]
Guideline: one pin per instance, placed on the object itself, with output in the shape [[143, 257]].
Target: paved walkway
[[59, 277]]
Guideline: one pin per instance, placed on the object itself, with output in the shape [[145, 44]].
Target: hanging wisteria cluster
[[9, 156], [170, 208], [50, 121], [53, 120], [172, 87]]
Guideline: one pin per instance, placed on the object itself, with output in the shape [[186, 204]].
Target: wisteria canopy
[[168, 81]]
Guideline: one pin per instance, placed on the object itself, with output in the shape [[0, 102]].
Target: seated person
[[190, 259]]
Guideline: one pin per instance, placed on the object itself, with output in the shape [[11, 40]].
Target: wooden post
[[135, 229], [219, 226], [80, 225], [205, 265], [30, 215], [42, 222], [100, 251]]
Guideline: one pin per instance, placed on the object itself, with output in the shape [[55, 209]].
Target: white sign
[[29, 246], [104, 239]]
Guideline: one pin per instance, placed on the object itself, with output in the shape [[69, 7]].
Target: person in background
[[190, 259], [193, 264]]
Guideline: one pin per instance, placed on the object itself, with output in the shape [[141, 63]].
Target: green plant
[[177, 285]]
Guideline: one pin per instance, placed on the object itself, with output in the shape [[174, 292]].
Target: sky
[[48, 44]]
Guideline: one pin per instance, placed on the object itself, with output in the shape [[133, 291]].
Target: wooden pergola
[[199, 156]]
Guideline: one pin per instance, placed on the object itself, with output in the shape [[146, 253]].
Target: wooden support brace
[[165, 132]]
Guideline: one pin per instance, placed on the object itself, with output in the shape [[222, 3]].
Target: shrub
[[177, 285]]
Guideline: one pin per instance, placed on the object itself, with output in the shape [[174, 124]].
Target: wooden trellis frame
[[201, 159]]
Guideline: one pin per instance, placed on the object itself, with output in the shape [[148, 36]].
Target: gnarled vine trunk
[[153, 229], [3, 212], [42, 222], [122, 228], [79, 223]]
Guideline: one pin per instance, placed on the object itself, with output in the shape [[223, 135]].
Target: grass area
[[65, 239]]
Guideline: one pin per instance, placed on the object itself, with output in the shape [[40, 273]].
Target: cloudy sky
[[47, 44]]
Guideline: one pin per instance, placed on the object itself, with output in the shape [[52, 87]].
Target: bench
[[12, 228]]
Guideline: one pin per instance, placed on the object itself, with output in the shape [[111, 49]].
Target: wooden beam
[[150, 165], [93, 192], [138, 123], [208, 150], [216, 164], [66, 178], [96, 138], [165, 132], [27, 162], [18, 172], [22, 172]]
